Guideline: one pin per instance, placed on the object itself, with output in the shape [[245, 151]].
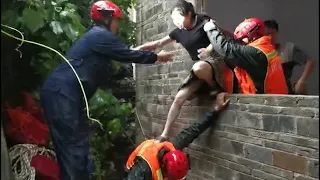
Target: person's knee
[[202, 70], [180, 98]]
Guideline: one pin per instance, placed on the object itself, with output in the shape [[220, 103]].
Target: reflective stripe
[[272, 55], [159, 174], [143, 148]]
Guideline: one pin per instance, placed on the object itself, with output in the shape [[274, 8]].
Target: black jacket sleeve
[[234, 53], [140, 171], [187, 135], [111, 46]]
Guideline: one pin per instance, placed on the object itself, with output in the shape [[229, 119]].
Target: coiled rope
[[64, 58], [21, 156]]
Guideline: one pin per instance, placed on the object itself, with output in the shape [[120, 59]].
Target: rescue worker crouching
[[154, 160], [253, 64]]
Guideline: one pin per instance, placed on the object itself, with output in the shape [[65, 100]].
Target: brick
[[239, 167], [289, 162], [248, 120], [263, 109], [224, 155], [300, 141], [242, 176], [277, 171], [308, 127], [303, 177], [284, 124], [265, 176], [250, 99], [293, 149], [249, 163], [303, 112], [193, 163], [231, 147], [311, 101], [238, 130], [228, 117], [224, 173], [206, 166], [245, 139], [313, 168], [258, 154], [286, 101]]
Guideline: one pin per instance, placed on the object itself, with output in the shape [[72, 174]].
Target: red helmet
[[102, 9], [176, 164], [253, 27]]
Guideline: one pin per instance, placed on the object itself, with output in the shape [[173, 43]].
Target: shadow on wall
[[298, 21]]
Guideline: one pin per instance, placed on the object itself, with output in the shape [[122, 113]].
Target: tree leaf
[[9, 17], [56, 27], [71, 32], [51, 39], [32, 19]]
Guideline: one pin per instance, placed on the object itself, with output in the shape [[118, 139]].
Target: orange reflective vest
[[274, 82], [148, 150]]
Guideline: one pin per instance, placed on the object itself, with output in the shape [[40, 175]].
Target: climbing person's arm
[[111, 46], [187, 135], [150, 46]]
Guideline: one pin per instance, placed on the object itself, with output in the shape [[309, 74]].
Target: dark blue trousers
[[69, 130]]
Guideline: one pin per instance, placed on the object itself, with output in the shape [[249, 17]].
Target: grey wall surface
[[298, 21]]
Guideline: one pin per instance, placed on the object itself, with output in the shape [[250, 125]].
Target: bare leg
[[204, 71], [179, 100]]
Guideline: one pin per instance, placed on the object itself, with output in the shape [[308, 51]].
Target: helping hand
[[164, 56], [221, 102], [203, 53]]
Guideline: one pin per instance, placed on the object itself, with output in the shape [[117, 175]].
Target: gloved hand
[[210, 25]]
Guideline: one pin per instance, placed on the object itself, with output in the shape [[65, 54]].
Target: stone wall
[[259, 137]]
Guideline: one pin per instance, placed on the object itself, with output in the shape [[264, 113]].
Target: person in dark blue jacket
[[61, 95]]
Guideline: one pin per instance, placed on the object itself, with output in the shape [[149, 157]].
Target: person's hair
[[272, 24], [184, 8]]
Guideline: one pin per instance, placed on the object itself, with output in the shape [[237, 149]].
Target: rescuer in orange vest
[[253, 64], [163, 159]]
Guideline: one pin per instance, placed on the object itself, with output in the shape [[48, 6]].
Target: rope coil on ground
[[21, 156]]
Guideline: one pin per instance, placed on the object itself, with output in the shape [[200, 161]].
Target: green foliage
[[58, 24], [115, 119]]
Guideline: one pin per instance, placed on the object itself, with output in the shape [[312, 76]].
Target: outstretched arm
[[155, 44], [232, 51], [186, 136], [111, 46]]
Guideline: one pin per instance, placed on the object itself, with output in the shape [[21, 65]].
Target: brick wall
[[259, 137]]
